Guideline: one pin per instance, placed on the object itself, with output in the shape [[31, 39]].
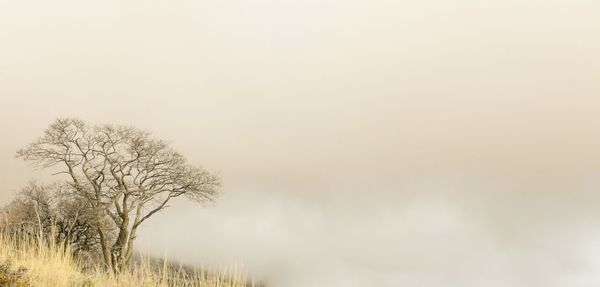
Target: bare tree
[[55, 213], [123, 173]]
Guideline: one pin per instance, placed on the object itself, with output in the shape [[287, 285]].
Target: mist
[[360, 143]]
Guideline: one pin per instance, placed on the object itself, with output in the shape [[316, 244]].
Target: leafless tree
[[53, 212], [123, 173]]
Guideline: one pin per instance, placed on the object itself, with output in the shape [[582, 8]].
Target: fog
[[360, 143]]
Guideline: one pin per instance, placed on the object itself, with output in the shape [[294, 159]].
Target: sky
[[360, 143]]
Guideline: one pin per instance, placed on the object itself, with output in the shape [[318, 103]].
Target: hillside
[[31, 262]]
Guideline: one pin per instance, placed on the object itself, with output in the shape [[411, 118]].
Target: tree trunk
[[105, 250]]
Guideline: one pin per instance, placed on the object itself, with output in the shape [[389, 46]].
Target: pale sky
[[361, 143]]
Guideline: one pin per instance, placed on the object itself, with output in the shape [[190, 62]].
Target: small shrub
[[11, 277]]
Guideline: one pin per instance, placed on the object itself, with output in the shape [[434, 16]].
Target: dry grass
[[35, 262]]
